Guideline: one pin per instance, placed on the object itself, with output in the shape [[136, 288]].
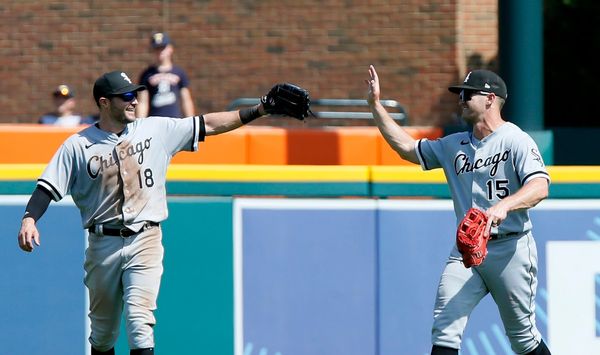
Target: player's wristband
[[249, 114]]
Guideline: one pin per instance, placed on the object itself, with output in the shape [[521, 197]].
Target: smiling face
[[118, 110], [122, 108]]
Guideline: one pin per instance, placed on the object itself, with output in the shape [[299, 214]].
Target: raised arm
[[402, 142]]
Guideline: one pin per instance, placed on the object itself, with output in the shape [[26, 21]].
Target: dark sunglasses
[[466, 95], [128, 96]]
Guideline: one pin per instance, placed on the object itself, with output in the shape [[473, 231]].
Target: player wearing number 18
[[496, 169], [115, 171]]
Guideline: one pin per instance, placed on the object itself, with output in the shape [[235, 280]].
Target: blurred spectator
[[64, 113], [168, 94]]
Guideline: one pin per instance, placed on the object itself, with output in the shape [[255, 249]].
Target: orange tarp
[[31, 144]]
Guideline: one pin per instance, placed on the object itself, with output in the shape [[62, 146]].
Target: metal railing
[[344, 104]]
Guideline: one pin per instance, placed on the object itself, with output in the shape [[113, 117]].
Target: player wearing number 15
[[497, 169], [115, 171]]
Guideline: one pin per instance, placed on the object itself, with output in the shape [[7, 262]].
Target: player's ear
[[490, 99], [103, 102]]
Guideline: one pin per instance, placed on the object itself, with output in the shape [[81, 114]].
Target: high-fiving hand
[[373, 85]]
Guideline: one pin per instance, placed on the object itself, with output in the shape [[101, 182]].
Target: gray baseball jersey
[[120, 179], [480, 174]]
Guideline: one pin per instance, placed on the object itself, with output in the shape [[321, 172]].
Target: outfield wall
[[260, 276], [354, 273]]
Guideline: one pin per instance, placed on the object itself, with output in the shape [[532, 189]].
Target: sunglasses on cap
[[466, 95], [127, 97]]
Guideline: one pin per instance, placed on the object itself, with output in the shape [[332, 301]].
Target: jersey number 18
[[146, 180]]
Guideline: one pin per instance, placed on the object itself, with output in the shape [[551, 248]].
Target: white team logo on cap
[[467, 78], [126, 78]]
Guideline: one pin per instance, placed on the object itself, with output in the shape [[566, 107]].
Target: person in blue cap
[[167, 84]]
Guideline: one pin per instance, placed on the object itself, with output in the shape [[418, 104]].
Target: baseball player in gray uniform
[[115, 171], [498, 169]]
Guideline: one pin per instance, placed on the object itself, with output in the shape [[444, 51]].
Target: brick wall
[[236, 49]]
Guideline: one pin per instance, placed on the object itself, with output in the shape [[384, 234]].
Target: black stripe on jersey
[[421, 154], [534, 173], [202, 133], [193, 133], [56, 196]]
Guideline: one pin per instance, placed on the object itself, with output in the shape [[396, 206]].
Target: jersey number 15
[[497, 188]]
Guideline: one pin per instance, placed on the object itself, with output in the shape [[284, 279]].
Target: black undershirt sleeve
[[38, 203]]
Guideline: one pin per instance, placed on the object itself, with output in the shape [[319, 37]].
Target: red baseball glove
[[472, 238]]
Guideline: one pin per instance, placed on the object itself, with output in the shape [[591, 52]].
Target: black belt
[[504, 235], [117, 232]]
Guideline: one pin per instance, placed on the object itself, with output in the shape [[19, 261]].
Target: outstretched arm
[[221, 122], [395, 136], [283, 99], [36, 207]]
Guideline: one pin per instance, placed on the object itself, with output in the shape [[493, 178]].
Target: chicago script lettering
[[462, 163], [96, 164]]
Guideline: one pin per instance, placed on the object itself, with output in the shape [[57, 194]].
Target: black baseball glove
[[287, 99]]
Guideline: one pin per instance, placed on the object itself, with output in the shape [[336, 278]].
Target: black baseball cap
[[114, 83], [160, 40], [63, 90], [482, 80]]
